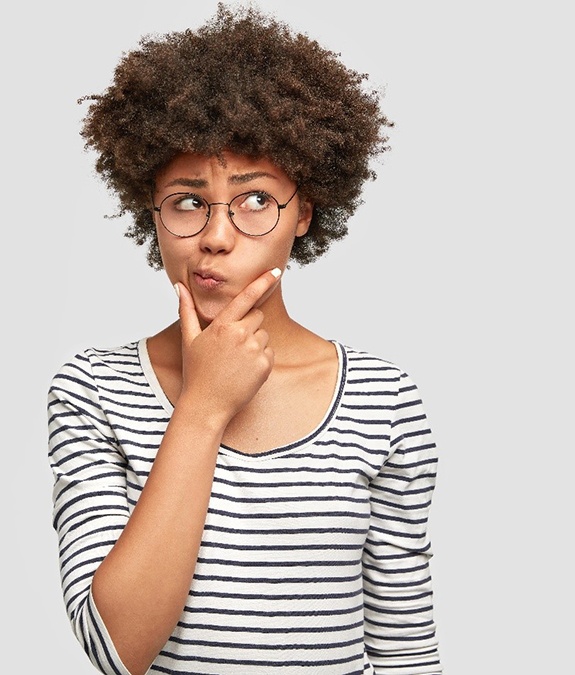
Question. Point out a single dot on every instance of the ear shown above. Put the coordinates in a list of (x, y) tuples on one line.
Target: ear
[(305, 216)]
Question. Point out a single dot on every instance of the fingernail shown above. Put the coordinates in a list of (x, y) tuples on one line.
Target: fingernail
[(177, 289), (276, 272)]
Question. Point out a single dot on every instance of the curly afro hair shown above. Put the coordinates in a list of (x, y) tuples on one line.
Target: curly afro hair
[(246, 83)]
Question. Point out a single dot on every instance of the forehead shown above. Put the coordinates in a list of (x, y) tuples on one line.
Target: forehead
[(189, 168)]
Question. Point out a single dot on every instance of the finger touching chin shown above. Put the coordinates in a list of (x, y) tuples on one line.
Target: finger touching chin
[(273, 291)]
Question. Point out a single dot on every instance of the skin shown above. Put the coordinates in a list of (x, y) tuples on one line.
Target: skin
[(220, 248), (238, 370)]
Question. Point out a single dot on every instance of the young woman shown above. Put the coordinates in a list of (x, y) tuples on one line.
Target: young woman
[(236, 494)]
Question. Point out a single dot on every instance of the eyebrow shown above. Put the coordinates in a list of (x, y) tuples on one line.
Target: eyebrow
[(238, 179), (234, 179), (188, 182)]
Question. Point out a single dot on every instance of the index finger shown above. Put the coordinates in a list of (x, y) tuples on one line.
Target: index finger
[(249, 297), (189, 322)]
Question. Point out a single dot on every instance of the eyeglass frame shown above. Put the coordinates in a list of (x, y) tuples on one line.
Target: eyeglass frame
[(158, 209)]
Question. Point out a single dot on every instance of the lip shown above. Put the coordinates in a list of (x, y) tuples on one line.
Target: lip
[(208, 280)]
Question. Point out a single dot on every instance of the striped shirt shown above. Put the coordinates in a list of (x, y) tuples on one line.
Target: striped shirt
[(314, 556)]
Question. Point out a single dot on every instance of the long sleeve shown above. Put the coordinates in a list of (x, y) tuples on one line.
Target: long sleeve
[(90, 500), (400, 632)]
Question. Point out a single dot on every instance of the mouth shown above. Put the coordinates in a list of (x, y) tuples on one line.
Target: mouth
[(207, 280)]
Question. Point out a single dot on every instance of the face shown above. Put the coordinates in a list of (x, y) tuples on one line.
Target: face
[(220, 261)]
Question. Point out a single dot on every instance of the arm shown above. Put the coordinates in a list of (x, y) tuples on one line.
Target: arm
[(89, 497), (141, 586), (399, 626)]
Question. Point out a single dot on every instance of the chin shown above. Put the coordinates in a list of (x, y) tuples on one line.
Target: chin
[(207, 312)]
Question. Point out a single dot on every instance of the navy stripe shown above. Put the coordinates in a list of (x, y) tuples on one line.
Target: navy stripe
[(313, 553)]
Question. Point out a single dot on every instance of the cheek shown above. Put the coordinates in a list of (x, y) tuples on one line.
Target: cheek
[(254, 256), (281, 247), (175, 255)]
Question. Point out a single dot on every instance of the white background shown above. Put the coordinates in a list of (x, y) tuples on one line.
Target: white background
[(458, 268)]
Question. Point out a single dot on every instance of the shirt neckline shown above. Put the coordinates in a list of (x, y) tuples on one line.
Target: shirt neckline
[(150, 375), (323, 425)]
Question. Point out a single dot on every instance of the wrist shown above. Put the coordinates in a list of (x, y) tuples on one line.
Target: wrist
[(195, 411)]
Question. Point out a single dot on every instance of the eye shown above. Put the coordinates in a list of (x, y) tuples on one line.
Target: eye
[(188, 202), (255, 201)]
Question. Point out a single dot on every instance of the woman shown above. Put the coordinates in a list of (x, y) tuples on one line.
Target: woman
[(236, 494)]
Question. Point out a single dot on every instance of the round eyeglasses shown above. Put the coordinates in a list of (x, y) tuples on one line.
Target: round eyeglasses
[(185, 214)]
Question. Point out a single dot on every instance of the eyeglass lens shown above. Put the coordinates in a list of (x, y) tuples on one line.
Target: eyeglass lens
[(186, 214)]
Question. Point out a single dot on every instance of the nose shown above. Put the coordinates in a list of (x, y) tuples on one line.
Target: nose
[(219, 234)]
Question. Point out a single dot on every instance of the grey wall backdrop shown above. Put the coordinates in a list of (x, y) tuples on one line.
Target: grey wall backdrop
[(458, 267)]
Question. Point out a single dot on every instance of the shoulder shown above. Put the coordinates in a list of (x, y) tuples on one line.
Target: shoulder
[(372, 374), (123, 359), (86, 370), (360, 362)]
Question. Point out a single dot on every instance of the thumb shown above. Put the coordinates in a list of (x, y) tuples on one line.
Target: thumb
[(189, 323)]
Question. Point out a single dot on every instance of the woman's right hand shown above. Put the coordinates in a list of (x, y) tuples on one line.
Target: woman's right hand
[(224, 365)]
